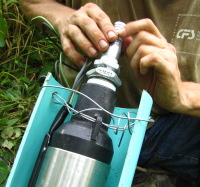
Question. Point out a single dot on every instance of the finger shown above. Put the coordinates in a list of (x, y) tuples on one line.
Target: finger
[(81, 41), (141, 25), (145, 50), (153, 60), (71, 52), (144, 38), (126, 43), (92, 31), (103, 21)]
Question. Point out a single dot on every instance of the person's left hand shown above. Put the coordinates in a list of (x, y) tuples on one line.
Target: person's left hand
[(153, 61)]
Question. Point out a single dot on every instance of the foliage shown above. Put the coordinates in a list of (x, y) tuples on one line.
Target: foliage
[(3, 30), (4, 171), (24, 56)]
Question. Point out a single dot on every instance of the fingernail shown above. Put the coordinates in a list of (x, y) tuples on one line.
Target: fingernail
[(103, 44), (111, 35), (92, 51)]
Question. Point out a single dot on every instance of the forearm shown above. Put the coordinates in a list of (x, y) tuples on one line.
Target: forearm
[(190, 99), (89, 28), (53, 11)]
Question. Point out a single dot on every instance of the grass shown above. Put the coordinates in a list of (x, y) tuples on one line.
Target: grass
[(25, 55)]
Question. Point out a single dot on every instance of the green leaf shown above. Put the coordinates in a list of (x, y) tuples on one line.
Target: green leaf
[(12, 94), (11, 1), (17, 133), (7, 133), (48, 68), (26, 80), (12, 121), (7, 155), (2, 42), (21, 107), (19, 62), (7, 144), (34, 56), (6, 80), (4, 171), (3, 30), (3, 121), (6, 109)]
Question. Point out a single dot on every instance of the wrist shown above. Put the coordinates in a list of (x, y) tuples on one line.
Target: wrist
[(60, 20), (188, 102)]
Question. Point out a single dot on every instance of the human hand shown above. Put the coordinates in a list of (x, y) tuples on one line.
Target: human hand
[(153, 62), (88, 29)]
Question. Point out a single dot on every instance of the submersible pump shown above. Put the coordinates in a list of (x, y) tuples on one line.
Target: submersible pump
[(80, 151)]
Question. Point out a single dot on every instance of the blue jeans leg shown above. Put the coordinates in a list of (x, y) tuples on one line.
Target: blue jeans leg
[(173, 144)]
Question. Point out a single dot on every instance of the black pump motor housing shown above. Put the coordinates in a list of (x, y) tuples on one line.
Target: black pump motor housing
[(83, 136), (80, 150)]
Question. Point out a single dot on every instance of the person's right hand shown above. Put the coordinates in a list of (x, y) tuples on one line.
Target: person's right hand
[(88, 29)]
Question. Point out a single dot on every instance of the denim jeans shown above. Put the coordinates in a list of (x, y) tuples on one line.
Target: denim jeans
[(173, 144)]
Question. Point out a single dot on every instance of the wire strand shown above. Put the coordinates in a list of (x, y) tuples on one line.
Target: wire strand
[(97, 103), (72, 111)]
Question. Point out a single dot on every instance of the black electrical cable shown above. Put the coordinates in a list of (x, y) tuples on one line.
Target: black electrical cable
[(59, 119), (80, 77), (56, 69), (81, 74)]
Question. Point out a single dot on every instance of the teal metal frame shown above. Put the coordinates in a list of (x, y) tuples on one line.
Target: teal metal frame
[(125, 156)]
